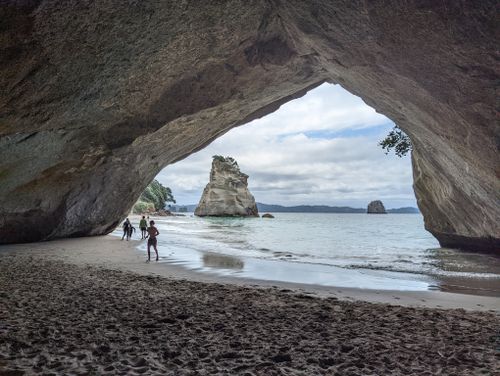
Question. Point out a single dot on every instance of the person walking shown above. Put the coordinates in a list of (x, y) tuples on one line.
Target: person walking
[(130, 230), (152, 241), (143, 225), (126, 226)]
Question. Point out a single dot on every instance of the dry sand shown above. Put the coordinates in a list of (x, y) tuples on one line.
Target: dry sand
[(92, 306)]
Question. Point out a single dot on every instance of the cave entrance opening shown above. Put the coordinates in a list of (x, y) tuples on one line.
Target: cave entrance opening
[(320, 149)]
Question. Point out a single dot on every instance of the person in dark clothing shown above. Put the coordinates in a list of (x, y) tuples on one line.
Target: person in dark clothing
[(130, 230), (152, 241), (126, 226)]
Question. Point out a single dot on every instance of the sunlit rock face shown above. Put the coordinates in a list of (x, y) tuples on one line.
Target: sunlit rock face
[(376, 207), (96, 97), (227, 194)]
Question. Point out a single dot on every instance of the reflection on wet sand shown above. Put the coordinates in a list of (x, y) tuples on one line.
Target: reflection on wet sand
[(483, 286), (464, 266), (215, 260)]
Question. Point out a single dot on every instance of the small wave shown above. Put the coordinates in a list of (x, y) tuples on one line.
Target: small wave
[(407, 262), (434, 272), (282, 254)]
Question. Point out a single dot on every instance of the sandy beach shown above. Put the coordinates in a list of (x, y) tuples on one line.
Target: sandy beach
[(92, 306)]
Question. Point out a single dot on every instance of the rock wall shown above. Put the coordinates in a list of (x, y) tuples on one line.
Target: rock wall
[(376, 207), (96, 97), (226, 194)]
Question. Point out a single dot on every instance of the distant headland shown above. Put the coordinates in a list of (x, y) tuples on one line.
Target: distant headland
[(306, 209)]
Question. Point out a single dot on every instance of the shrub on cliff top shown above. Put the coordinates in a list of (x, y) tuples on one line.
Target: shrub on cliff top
[(219, 158), (229, 160)]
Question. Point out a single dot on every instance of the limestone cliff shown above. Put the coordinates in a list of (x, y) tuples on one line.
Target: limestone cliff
[(376, 207), (226, 194), (96, 97)]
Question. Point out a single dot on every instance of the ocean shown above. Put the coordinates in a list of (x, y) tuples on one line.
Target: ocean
[(385, 252)]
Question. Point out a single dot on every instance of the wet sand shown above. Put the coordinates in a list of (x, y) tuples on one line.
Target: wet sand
[(92, 306)]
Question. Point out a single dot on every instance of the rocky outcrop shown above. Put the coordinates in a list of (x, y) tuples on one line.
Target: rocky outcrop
[(97, 97), (376, 207), (267, 215), (226, 194)]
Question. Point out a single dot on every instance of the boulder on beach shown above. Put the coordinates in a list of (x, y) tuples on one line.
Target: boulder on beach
[(376, 207), (227, 192), (267, 215)]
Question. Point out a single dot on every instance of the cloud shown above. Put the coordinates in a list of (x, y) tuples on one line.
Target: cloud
[(319, 149)]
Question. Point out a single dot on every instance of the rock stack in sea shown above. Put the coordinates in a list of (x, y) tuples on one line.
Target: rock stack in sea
[(227, 192), (376, 207)]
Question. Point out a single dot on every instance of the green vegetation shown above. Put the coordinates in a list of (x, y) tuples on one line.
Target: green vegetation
[(220, 158), (397, 140), (154, 198), (143, 207)]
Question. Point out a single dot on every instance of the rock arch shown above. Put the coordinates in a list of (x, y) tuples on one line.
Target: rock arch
[(96, 97)]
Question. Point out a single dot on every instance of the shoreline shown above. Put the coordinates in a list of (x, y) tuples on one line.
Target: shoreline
[(110, 252), (192, 243)]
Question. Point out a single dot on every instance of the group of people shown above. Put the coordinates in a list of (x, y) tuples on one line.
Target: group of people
[(149, 233)]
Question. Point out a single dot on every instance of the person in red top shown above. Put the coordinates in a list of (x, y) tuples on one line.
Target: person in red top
[(152, 241)]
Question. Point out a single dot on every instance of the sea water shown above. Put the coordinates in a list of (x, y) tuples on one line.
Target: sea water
[(391, 251)]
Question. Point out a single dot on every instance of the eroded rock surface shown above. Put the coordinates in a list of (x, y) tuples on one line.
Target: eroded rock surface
[(96, 97), (376, 207), (226, 194)]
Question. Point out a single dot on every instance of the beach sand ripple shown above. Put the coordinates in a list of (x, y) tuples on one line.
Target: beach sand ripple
[(57, 318)]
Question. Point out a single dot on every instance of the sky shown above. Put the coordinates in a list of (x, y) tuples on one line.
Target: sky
[(321, 149)]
